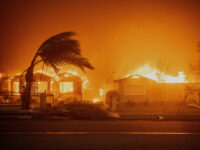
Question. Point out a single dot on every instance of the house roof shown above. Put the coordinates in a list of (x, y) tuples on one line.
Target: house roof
[(68, 76), (135, 76), (37, 76)]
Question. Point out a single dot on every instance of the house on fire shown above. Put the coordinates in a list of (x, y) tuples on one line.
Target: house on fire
[(41, 84), (61, 87), (69, 86), (134, 88), (137, 89)]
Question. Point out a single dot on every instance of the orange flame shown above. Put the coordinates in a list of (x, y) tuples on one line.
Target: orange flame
[(95, 100), (152, 73), (101, 92), (51, 73), (100, 98)]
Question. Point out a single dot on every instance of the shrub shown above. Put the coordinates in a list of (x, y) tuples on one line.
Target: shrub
[(56, 111), (86, 111)]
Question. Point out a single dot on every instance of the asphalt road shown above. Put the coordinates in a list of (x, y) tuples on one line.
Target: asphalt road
[(99, 135)]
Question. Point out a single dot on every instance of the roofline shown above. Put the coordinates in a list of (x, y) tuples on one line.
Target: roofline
[(134, 75)]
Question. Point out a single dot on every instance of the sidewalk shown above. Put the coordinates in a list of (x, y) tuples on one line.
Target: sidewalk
[(30, 115), (189, 113), (160, 116)]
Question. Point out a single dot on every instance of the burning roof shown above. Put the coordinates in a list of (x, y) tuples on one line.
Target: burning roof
[(157, 75)]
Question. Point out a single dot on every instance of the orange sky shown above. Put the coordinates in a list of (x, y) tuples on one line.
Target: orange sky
[(115, 35)]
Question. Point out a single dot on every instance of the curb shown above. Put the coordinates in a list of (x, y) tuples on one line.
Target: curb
[(185, 117), (15, 117)]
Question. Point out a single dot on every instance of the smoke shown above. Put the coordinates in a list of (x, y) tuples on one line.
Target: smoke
[(116, 36)]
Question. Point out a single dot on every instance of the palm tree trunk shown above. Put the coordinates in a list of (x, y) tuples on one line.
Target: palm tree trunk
[(26, 95)]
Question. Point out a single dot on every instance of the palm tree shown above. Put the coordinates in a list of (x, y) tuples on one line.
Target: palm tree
[(58, 50)]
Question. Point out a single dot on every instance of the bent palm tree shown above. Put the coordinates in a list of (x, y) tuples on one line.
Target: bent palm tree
[(57, 50)]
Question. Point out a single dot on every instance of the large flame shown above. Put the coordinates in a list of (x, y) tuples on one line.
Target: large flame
[(51, 73), (152, 73), (100, 98)]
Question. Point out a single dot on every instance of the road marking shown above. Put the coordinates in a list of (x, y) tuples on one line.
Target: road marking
[(99, 133)]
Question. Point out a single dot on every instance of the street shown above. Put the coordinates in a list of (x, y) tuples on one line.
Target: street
[(99, 135)]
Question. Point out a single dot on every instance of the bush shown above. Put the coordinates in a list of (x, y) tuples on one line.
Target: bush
[(76, 110), (86, 111), (56, 111)]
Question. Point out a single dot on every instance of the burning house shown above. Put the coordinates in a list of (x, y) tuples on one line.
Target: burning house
[(134, 88), (69, 86), (61, 87), (4, 84), (140, 89), (42, 83)]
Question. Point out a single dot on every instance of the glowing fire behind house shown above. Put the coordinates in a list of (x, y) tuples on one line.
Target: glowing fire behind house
[(157, 75)]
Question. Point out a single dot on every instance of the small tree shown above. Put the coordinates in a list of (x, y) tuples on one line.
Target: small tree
[(162, 68), (195, 65), (58, 50)]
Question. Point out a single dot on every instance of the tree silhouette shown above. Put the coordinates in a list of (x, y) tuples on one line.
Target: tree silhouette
[(58, 50), (194, 66)]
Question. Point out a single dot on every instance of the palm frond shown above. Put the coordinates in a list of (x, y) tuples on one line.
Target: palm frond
[(56, 50), (70, 58), (62, 49), (60, 42)]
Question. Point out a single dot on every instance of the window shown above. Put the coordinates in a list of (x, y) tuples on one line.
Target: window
[(42, 87), (16, 87), (66, 87), (34, 88)]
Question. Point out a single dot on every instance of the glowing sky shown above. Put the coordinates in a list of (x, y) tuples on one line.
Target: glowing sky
[(115, 35)]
